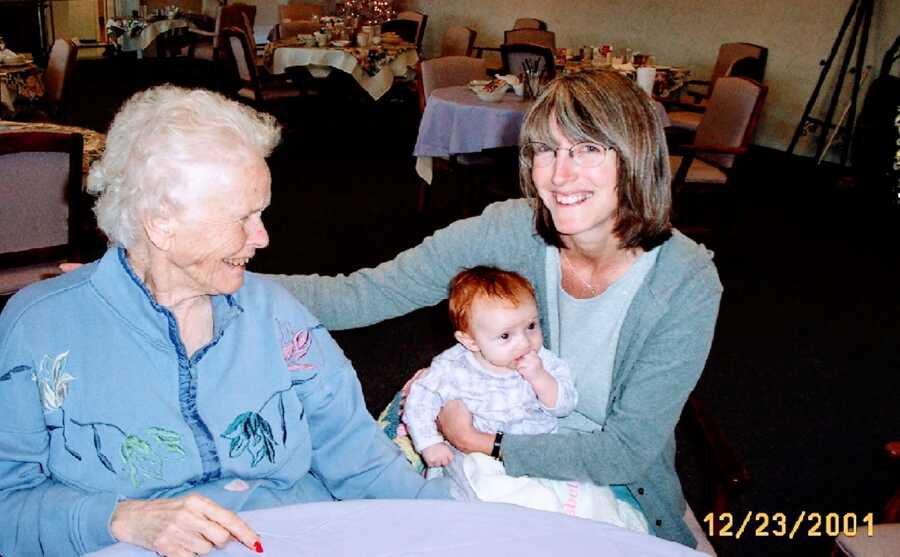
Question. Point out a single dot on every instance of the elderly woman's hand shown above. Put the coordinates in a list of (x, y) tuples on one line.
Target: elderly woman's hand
[(455, 424), (180, 527)]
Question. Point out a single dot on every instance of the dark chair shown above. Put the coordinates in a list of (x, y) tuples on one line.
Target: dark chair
[(530, 23), (447, 71), (514, 55), (421, 20), (43, 206), (530, 36), (60, 68), (403, 28), (255, 86), (734, 60), (208, 46), (458, 41), (707, 166)]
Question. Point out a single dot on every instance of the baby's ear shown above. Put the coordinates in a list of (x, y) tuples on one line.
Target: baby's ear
[(466, 340)]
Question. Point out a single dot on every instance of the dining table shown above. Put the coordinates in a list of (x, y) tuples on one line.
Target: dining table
[(430, 528), (94, 141), (373, 67), (149, 31), (20, 80), (456, 122)]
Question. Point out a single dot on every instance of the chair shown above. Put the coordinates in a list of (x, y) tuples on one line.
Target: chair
[(299, 12), (724, 133), (208, 45), (538, 37), (448, 71), (885, 538), (421, 20), (515, 54), (734, 60), (60, 67), (404, 28), (40, 192), (254, 86), (458, 41), (530, 23)]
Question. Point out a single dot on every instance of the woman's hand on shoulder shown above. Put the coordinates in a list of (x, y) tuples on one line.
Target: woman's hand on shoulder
[(184, 526)]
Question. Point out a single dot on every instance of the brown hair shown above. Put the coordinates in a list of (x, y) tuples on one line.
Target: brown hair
[(470, 284), (607, 108)]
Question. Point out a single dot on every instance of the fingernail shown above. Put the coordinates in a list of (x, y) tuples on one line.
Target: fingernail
[(258, 546)]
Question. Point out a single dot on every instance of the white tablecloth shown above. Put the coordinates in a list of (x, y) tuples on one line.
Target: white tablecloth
[(13, 78), (321, 60), (149, 33), (395, 528)]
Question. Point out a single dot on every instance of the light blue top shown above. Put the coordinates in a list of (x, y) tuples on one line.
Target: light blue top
[(586, 332), (101, 402)]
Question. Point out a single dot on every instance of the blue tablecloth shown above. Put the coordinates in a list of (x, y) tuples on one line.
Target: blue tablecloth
[(414, 528)]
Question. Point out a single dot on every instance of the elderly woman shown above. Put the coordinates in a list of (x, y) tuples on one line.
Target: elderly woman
[(630, 303), (150, 395)]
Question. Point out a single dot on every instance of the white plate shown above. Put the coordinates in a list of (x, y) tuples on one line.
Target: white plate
[(340, 44), (9, 66)]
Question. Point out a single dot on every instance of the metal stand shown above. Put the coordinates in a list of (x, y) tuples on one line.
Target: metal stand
[(860, 13)]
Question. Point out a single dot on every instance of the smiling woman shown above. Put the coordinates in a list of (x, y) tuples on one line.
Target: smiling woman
[(152, 394), (629, 303)]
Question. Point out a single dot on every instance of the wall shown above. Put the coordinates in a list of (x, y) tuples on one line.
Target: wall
[(798, 33)]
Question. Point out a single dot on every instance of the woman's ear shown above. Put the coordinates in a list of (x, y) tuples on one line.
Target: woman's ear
[(466, 340), (159, 225)]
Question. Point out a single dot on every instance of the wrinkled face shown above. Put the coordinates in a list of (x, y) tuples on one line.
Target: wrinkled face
[(218, 226), (501, 332), (582, 201)]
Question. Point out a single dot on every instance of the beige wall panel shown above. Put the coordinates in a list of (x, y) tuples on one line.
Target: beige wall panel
[(75, 18)]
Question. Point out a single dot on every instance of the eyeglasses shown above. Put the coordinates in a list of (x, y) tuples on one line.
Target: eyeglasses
[(541, 155)]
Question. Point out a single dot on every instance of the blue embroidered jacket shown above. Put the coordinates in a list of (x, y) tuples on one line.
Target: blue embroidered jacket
[(101, 402)]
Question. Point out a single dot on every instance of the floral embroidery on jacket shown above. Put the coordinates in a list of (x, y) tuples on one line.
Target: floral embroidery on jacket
[(53, 381), (295, 346), (141, 458)]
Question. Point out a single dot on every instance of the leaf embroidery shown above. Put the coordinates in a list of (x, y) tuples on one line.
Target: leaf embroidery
[(251, 432), (18, 369), (140, 458)]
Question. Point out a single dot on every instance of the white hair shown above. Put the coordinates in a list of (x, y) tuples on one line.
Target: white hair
[(154, 136)]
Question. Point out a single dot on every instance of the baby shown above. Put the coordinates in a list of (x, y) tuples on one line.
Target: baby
[(499, 369), (510, 383)]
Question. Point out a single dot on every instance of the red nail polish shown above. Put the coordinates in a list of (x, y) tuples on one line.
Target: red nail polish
[(258, 547)]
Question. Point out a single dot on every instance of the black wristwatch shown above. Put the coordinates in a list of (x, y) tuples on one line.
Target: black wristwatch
[(495, 452)]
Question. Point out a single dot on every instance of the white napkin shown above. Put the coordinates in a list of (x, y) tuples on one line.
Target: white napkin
[(512, 79)]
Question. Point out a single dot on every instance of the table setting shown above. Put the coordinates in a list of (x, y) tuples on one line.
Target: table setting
[(136, 34), (19, 77), (373, 61)]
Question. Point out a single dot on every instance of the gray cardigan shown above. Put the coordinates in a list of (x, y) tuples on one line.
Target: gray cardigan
[(663, 345)]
